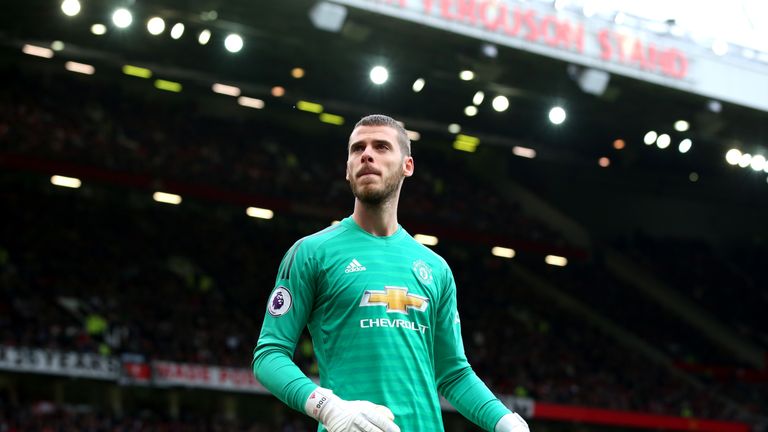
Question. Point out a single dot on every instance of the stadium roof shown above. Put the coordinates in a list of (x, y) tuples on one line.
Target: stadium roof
[(280, 36)]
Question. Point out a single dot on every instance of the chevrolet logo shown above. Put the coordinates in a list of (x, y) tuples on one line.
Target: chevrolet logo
[(396, 299)]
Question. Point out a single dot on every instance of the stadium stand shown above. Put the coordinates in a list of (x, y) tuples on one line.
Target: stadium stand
[(181, 297), (707, 276)]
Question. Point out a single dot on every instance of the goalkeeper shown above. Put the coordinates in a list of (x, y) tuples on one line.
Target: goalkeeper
[(381, 310)]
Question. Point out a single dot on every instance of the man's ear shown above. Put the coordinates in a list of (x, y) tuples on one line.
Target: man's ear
[(408, 166)]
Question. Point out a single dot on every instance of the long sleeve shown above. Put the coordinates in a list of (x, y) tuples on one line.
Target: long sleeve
[(288, 310), (279, 374), (456, 380)]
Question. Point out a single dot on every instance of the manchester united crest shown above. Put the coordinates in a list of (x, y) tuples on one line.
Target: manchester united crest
[(422, 271)]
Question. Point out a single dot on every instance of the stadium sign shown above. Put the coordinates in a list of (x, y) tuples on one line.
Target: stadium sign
[(202, 376), (597, 43), (49, 362)]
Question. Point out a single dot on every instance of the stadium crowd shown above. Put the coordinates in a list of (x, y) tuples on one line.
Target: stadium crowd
[(191, 288), (180, 141), (593, 282), (707, 276)]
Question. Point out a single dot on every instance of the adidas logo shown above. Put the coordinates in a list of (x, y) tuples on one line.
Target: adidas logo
[(354, 266)]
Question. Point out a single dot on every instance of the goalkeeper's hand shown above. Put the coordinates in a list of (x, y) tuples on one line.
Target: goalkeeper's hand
[(512, 423), (338, 415)]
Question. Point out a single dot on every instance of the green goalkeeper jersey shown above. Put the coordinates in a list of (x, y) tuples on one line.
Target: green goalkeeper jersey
[(384, 323)]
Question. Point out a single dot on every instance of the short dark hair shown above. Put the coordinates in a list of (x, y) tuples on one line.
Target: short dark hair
[(383, 120)]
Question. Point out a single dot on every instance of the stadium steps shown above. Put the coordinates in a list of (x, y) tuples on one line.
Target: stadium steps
[(610, 328), (495, 173), (634, 275)]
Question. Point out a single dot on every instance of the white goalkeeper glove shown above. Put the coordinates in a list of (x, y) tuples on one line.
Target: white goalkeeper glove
[(512, 423), (338, 415)]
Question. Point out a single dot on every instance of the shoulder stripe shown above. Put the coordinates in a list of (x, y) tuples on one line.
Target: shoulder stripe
[(326, 230), (287, 270)]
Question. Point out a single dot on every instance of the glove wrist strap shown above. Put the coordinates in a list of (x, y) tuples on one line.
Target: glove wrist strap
[(317, 401)]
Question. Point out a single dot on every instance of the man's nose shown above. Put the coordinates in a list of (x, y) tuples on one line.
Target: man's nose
[(367, 155)]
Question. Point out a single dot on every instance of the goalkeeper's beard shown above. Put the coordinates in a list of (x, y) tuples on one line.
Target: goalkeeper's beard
[(370, 195)]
